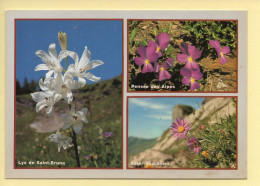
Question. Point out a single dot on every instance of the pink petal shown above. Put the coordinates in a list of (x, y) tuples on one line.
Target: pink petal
[(150, 67), (197, 75), (215, 44), (161, 76), (166, 74), (153, 57), (156, 67), (159, 53), (225, 50), (223, 60), (194, 85), (185, 72), (168, 63), (192, 66), (163, 39), (141, 51), (151, 48), (182, 58), (194, 52), (139, 60), (185, 81), (145, 69)]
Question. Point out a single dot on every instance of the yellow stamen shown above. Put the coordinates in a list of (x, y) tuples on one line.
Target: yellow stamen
[(84, 69), (147, 61), (221, 54), (192, 80), (181, 129), (162, 69), (158, 49), (190, 59)]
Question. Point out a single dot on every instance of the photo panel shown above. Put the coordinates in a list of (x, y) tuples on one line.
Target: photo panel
[(192, 56), (68, 93), (182, 133)]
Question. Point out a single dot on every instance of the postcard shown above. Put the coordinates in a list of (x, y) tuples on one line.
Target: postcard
[(126, 94)]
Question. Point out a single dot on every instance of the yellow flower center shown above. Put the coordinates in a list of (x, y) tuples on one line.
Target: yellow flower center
[(190, 59), (147, 61), (158, 49), (162, 69), (192, 80), (221, 54), (181, 129)]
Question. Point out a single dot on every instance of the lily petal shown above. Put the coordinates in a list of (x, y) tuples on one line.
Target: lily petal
[(43, 55), (40, 106), (77, 128), (91, 77), (94, 64), (84, 60), (41, 67)]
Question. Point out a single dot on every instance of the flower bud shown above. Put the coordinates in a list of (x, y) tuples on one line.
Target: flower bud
[(62, 36)]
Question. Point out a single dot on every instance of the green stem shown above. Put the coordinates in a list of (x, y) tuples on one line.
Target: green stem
[(74, 137), (96, 164), (66, 64)]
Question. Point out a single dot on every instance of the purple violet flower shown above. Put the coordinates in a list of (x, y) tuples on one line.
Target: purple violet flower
[(194, 145), (162, 69), (147, 56), (220, 51), (162, 41), (87, 157), (107, 134), (180, 128), (191, 77), (188, 56)]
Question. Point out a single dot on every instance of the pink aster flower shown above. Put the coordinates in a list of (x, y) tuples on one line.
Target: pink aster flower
[(180, 128), (194, 145), (162, 41), (191, 77), (147, 56), (221, 51), (188, 56), (162, 69)]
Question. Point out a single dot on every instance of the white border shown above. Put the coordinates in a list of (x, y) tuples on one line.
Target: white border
[(241, 173)]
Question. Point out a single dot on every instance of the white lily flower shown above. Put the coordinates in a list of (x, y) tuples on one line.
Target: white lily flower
[(61, 139), (63, 85), (75, 119), (44, 99), (81, 66), (51, 61)]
